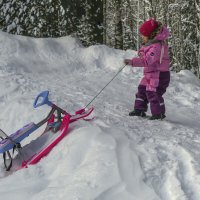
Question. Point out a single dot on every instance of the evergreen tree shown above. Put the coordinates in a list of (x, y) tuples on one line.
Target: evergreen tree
[(85, 19), (34, 18), (84, 25), (10, 13)]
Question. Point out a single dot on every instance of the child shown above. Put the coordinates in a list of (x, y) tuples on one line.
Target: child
[(154, 57)]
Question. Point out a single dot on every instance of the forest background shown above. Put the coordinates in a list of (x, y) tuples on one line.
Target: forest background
[(111, 22)]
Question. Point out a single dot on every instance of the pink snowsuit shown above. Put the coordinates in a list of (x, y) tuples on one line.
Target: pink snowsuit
[(154, 57)]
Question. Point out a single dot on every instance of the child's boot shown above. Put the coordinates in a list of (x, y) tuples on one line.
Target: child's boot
[(159, 116), (136, 112)]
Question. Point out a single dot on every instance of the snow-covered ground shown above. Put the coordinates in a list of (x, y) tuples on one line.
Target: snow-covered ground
[(112, 157)]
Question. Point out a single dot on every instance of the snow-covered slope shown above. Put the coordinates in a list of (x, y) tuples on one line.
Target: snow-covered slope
[(114, 156)]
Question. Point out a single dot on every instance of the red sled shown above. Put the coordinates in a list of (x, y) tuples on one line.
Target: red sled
[(57, 121)]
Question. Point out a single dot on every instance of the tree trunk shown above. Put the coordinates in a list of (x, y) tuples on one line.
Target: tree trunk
[(104, 21), (197, 5), (118, 25)]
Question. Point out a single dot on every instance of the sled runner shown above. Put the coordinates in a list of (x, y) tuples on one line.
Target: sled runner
[(57, 123)]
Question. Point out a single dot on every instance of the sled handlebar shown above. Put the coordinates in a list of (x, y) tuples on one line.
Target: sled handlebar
[(42, 99)]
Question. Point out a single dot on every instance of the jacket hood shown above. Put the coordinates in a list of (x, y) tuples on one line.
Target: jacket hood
[(163, 34)]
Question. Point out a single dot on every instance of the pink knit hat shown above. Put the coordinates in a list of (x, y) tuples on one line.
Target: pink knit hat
[(147, 28)]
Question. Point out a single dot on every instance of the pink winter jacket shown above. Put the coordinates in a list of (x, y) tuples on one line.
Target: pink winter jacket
[(154, 57)]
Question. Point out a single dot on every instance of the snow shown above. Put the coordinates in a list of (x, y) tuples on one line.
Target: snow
[(112, 157)]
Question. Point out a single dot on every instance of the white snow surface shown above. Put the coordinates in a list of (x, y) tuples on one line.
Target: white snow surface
[(112, 157)]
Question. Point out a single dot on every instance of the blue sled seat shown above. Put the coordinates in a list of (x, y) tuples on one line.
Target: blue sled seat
[(9, 142)]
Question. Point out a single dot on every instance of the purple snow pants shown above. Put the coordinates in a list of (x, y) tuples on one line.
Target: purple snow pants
[(155, 99)]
